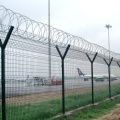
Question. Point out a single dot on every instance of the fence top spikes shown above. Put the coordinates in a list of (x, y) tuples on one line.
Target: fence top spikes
[(0, 43), (109, 61), (93, 57), (62, 57), (8, 36)]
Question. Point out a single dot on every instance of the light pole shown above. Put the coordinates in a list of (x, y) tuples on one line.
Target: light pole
[(108, 27), (110, 60), (49, 42)]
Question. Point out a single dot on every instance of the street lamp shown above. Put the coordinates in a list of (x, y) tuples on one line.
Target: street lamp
[(108, 27), (49, 41)]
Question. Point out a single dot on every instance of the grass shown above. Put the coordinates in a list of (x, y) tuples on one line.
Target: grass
[(48, 109), (34, 111), (93, 112)]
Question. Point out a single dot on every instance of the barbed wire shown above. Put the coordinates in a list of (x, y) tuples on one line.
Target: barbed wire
[(31, 29)]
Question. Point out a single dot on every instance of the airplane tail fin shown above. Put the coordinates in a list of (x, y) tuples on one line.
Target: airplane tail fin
[(80, 72), (27, 78)]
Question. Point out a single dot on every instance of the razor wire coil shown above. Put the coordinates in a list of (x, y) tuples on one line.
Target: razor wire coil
[(31, 29)]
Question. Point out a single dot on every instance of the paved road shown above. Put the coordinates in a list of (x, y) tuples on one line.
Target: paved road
[(14, 89)]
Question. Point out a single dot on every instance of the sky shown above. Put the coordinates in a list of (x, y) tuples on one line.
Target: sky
[(83, 18)]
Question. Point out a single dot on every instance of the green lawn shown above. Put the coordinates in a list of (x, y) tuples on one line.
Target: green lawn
[(48, 109), (93, 112)]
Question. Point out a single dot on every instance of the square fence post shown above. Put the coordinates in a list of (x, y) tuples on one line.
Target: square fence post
[(63, 76), (91, 61), (3, 46), (108, 64)]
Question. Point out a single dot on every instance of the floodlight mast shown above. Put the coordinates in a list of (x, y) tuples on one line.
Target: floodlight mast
[(110, 60), (49, 42), (108, 27)]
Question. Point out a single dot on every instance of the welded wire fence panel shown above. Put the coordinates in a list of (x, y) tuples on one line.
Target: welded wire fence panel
[(101, 84), (77, 88), (115, 79), (31, 92)]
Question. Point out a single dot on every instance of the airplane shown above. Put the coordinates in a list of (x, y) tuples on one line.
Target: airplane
[(99, 77)]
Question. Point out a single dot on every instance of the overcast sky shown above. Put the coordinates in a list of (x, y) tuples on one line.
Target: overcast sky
[(84, 18)]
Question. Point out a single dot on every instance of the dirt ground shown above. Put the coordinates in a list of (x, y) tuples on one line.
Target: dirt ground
[(113, 115), (40, 97)]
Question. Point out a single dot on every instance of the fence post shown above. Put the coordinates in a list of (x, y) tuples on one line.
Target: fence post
[(3, 46), (118, 63), (91, 61), (63, 90), (108, 64)]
